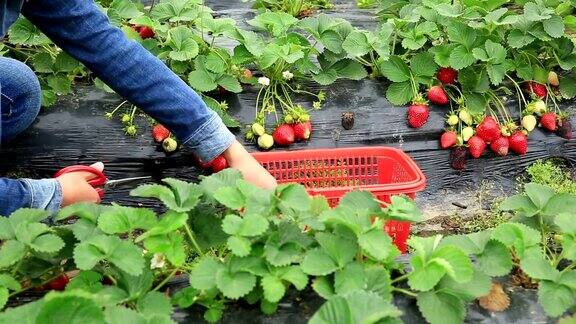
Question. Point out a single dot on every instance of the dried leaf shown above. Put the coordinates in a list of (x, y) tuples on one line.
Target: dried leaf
[(496, 301)]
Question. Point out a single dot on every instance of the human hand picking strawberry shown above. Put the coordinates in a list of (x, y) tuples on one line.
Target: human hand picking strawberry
[(238, 158), (75, 186)]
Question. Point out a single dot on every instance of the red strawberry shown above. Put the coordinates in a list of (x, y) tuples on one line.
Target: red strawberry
[(448, 139), (500, 146), (458, 158), (447, 75), (539, 90), (136, 28), (283, 135), (418, 115), (219, 164), (488, 129), (476, 146), (564, 128), (59, 283), (548, 121), (146, 32), (202, 164), (518, 143), (160, 133), (437, 95), (302, 131)]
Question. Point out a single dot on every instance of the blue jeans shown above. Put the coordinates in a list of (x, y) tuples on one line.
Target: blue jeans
[(81, 29), (19, 105), (20, 98)]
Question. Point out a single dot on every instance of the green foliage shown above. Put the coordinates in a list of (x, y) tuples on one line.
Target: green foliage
[(489, 42), (266, 247), (294, 8), (553, 175)]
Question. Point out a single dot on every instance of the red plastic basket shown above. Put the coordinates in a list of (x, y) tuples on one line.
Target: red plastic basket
[(383, 171)]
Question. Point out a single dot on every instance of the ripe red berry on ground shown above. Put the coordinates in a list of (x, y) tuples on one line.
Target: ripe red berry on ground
[(458, 158), (476, 146), (539, 90), (448, 139), (564, 128), (160, 133), (518, 143), (59, 283), (146, 32), (548, 121), (500, 146), (219, 164), (418, 115), (283, 135), (488, 129), (302, 131)]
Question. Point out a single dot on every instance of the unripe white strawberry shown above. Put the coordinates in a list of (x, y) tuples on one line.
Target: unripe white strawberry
[(540, 107), (265, 141), (465, 117), (467, 132), (452, 120), (553, 79), (258, 129), (529, 122)]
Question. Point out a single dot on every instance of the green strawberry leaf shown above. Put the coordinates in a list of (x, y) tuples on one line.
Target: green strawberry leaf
[(119, 219), (422, 64), (235, 285), (249, 225), (440, 307), (352, 277), (239, 245), (203, 275), (171, 245), (400, 93), (273, 288), (395, 69), (318, 263), (376, 243), (555, 298), (461, 57), (181, 41), (72, 307), (11, 252)]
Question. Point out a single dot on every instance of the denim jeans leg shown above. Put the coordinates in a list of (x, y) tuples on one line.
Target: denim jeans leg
[(20, 98)]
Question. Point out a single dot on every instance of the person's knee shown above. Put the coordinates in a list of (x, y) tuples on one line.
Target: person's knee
[(21, 97), (20, 83)]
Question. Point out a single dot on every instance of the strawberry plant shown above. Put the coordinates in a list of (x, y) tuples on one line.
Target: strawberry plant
[(480, 52), (288, 59), (296, 8), (236, 241)]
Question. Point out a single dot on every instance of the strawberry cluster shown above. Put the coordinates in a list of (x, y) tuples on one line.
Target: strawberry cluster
[(419, 110), (161, 134), (467, 134), (295, 127)]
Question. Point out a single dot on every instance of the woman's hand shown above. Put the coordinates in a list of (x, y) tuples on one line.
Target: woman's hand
[(238, 158), (75, 186)]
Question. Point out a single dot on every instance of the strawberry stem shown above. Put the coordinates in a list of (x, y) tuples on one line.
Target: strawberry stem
[(518, 89), (551, 96), (117, 107)]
